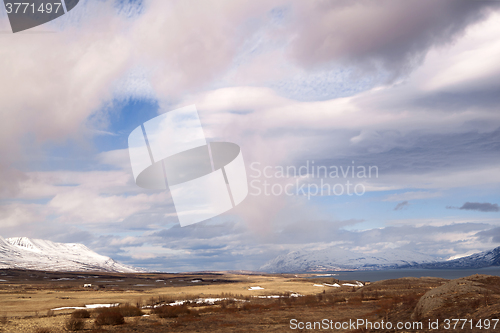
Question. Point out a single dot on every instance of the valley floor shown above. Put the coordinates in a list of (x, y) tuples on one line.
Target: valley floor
[(220, 302)]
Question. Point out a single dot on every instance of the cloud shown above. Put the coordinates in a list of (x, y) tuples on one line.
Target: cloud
[(412, 195), (480, 207), (80, 206), (56, 86), (233, 245), (75, 198), (394, 35), (402, 205), (199, 47), (435, 129), (52, 83), (19, 214), (492, 235)]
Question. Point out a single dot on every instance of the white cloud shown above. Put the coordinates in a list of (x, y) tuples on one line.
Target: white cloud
[(20, 214), (149, 252), (87, 206), (469, 64), (38, 185), (119, 158)]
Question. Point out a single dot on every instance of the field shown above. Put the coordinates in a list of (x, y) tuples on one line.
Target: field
[(42, 302)]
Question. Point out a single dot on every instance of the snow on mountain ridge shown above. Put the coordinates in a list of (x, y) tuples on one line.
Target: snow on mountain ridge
[(338, 259), (39, 254), (23, 242), (477, 260)]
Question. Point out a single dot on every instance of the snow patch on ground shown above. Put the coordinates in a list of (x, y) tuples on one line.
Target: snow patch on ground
[(358, 284), (210, 301), (256, 288), (278, 296), (89, 306)]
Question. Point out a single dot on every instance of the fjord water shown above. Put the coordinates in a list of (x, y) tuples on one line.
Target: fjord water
[(373, 276)]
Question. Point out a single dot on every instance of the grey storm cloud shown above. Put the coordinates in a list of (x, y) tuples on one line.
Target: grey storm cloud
[(402, 205), (418, 153), (491, 235), (392, 33), (481, 207)]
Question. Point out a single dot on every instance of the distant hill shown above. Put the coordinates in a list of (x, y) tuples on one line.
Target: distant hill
[(477, 260), (38, 254), (334, 259)]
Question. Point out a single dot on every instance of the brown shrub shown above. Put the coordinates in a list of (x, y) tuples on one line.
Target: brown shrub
[(309, 300), (355, 300), (411, 300), (110, 317), (128, 310), (187, 319), (257, 307), (50, 313), (171, 311), (330, 298), (74, 324), (42, 330), (80, 314), (98, 330), (226, 303), (385, 305)]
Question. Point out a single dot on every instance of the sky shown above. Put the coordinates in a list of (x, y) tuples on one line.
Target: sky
[(404, 93)]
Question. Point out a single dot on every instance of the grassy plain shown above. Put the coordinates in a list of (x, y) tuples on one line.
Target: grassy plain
[(28, 300)]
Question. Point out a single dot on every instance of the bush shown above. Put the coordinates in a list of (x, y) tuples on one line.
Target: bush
[(110, 317), (128, 310), (74, 324), (171, 311), (256, 306), (50, 313), (309, 299), (42, 330), (80, 314), (125, 310)]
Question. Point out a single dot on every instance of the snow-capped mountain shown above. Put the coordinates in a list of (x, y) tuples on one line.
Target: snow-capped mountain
[(334, 259), (476, 260), (38, 254)]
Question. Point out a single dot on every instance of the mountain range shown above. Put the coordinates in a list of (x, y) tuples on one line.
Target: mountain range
[(38, 254), (477, 260), (335, 259), (44, 255)]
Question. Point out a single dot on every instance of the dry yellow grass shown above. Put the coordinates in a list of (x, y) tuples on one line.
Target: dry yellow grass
[(25, 303), (21, 300)]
